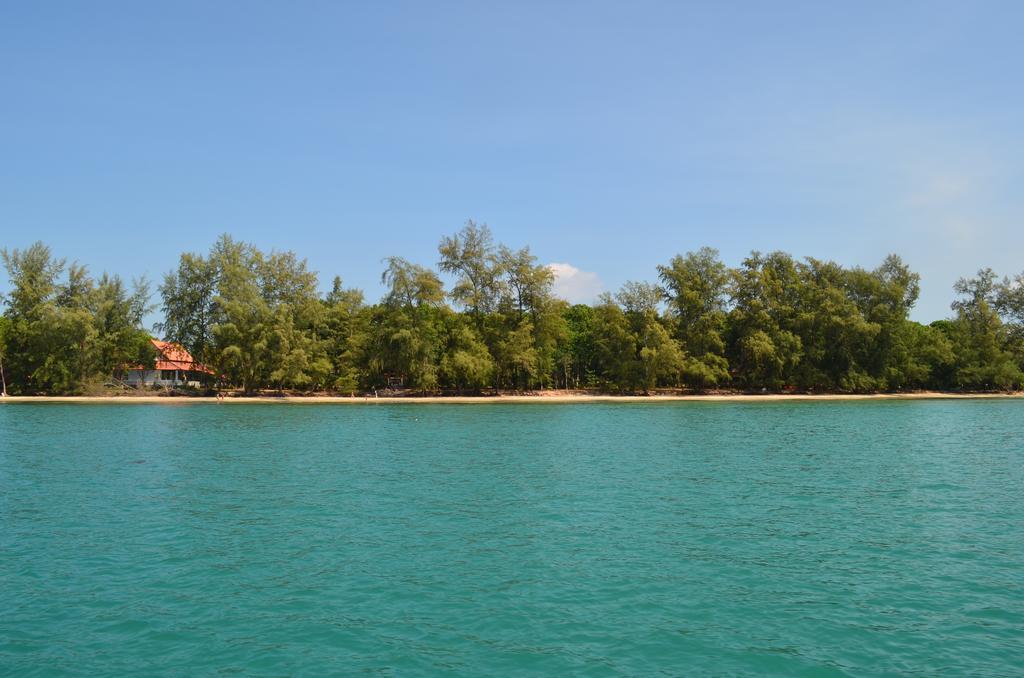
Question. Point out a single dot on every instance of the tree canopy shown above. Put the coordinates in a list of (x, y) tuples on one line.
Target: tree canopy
[(261, 321)]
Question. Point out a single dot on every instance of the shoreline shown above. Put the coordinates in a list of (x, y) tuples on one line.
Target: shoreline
[(553, 398)]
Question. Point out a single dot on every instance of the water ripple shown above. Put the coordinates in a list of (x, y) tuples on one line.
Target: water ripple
[(796, 538)]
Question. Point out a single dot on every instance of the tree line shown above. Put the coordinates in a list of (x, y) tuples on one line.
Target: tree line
[(260, 321)]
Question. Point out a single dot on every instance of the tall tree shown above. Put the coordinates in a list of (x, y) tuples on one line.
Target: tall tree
[(660, 358), (345, 332), (405, 329), (835, 335), (528, 285), (615, 348), (63, 334), (33, 275), (766, 300), (118, 315), (527, 329), (1009, 303), (189, 294), (242, 335), (465, 361), (470, 255), (980, 338), (577, 357), (696, 287)]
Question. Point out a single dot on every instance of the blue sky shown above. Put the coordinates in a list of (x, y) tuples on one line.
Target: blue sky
[(607, 136)]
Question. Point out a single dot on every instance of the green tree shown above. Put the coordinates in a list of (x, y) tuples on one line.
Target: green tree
[(34, 274), (766, 301), (517, 356), (298, 355), (615, 348), (405, 330), (577, 356), (259, 319), (527, 284), (118, 314), (242, 336), (190, 313), (470, 255), (1009, 302), (465, 362), (929, 357), (5, 325), (696, 289), (345, 332), (835, 335), (979, 337), (884, 298), (661, 360)]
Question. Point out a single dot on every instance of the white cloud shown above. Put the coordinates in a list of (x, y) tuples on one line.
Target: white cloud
[(574, 285)]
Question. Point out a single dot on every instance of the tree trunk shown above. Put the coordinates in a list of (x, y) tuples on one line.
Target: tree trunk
[(3, 379)]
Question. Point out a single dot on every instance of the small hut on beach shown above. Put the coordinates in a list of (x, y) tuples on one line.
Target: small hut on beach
[(174, 367)]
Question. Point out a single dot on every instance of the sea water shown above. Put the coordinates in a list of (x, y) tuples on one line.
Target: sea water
[(797, 538)]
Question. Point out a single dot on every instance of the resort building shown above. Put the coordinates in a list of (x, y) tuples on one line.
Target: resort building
[(174, 367)]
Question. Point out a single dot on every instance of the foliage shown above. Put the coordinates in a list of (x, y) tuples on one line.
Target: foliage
[(63, 329), (981, 341), (696, 290), (260, 320)]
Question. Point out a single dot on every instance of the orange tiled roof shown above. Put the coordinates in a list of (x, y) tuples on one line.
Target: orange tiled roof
[(173, 356)]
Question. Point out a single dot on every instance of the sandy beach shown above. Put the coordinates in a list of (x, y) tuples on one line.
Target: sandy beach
[(554, 397)]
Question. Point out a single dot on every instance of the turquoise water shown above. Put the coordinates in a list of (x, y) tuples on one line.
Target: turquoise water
[(781, 538)]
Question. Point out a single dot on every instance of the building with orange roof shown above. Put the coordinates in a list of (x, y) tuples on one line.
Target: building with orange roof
[(174, 367)]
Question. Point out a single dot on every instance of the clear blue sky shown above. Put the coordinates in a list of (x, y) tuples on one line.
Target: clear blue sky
[(607, 136)]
